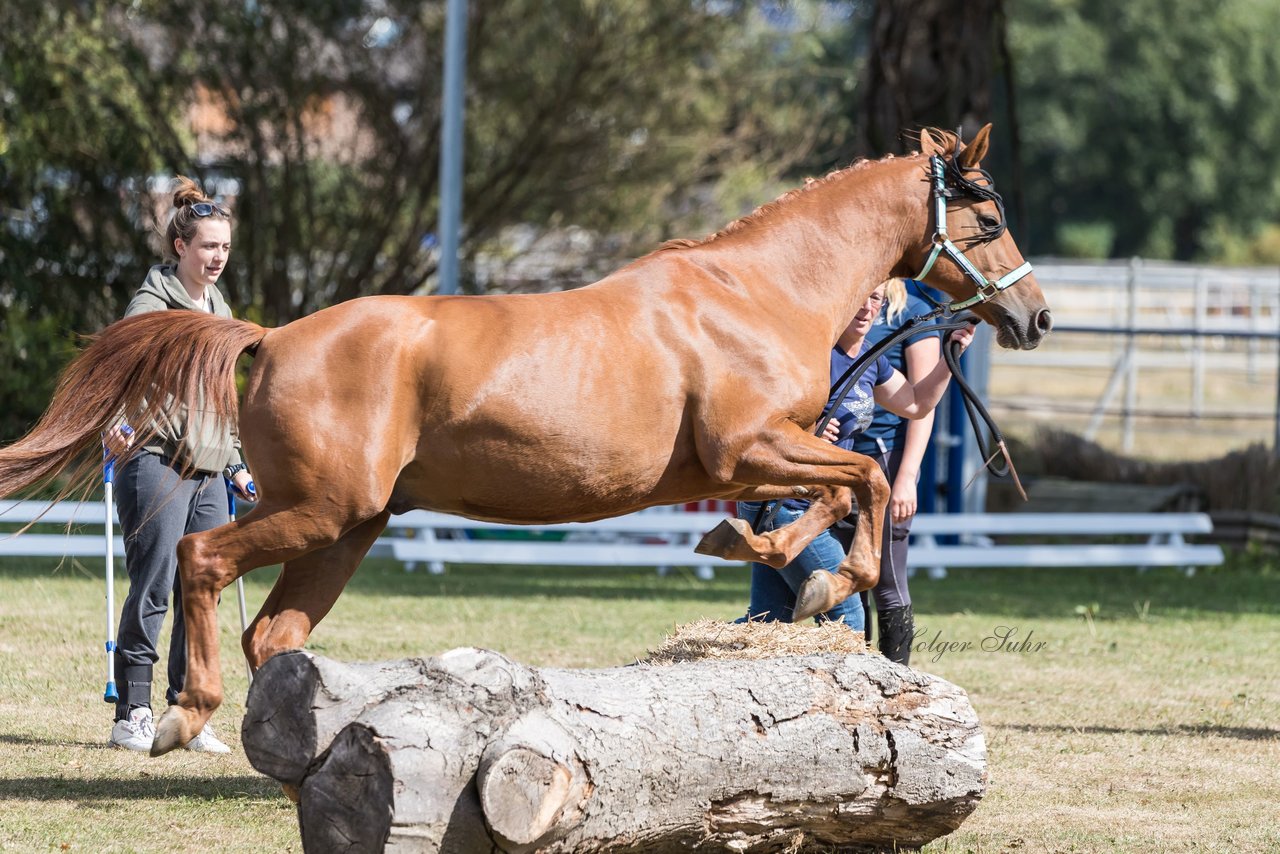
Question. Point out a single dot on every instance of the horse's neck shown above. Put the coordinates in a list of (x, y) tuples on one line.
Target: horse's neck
[(824, 250)]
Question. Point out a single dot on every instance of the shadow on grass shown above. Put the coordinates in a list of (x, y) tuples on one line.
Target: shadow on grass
[(386, 577), (6, 738), (1025, 593), (212, 788), (1194, 730)]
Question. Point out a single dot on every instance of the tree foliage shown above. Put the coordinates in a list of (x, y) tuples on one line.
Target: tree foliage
[(1150, 125), (1146, 128), (320, 122)]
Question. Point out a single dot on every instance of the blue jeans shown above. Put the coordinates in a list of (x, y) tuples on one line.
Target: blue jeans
[(773, 591)]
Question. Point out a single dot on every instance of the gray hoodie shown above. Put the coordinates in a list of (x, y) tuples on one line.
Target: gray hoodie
[(197, 441)]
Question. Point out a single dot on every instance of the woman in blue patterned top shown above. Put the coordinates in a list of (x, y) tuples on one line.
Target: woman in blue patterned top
[(773, 592)]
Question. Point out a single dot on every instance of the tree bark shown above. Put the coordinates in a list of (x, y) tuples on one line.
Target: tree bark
[(473, 752), (931, 63)]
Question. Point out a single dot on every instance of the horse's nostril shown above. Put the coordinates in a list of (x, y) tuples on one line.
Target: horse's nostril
[(1044, 320)]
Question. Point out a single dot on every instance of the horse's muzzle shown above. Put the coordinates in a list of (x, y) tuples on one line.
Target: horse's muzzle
[(1016, 334)]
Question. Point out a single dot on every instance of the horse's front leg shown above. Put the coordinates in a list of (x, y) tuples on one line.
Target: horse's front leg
[(208, 562), (787, 457)]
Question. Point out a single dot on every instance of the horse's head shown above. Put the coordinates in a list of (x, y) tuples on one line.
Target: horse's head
[(966, 229)]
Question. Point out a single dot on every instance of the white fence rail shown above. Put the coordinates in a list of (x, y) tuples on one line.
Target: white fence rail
[(665, 539), (1135, 317)]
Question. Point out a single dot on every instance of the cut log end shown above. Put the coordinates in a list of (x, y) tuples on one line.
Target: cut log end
[(279, 728), (347, 805), (522, 793)]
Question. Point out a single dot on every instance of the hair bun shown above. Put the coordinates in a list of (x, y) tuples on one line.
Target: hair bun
[(187, 192)]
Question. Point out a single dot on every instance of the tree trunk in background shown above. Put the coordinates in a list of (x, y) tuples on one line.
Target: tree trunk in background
[(473, 752), (937, 63), (930, 62)]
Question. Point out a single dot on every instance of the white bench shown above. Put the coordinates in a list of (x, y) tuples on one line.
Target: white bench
[(666, 539), (659, 537), (90, 514), (1164, 536), (1164, 533), (651, 538)]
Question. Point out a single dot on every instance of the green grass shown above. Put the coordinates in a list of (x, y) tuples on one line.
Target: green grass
[(1151, 725)]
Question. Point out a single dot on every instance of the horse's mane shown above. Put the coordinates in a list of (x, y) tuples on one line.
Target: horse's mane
[(945, 138)]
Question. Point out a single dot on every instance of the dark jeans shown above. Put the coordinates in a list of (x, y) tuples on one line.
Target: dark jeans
[(157, 507)]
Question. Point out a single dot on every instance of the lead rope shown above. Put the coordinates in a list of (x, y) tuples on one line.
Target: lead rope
[(977, 410)]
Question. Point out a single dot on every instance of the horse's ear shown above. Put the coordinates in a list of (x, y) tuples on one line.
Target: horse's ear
[(929, 144), (977, 148)]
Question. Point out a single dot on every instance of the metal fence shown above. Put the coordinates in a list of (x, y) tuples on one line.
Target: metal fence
[(1138, 319)]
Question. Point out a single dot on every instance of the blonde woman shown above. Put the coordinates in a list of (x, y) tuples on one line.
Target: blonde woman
[(880, 387), (898, 444)]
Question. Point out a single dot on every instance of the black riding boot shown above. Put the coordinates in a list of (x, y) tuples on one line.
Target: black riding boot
[(897, 625), (866, 616)]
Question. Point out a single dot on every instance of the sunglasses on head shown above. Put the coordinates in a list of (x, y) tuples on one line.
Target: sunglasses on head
[(208, 209)]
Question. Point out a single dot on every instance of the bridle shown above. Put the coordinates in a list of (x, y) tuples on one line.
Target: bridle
[(942, 319), (941, 193)]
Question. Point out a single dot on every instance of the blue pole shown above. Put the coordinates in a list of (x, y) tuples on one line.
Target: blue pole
[(108, 479), (244, 614), (108, 483), (451, 140)]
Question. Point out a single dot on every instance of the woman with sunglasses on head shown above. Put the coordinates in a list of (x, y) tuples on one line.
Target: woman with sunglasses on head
[(773, 591), (172, 486)]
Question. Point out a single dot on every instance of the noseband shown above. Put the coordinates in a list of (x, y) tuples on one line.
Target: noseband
[(941, 193)]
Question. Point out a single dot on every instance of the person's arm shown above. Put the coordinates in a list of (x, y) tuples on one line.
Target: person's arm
[(922, 356), (119, 438), (916, 400)]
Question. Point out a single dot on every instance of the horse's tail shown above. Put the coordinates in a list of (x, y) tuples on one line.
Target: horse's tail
[(137, 368)]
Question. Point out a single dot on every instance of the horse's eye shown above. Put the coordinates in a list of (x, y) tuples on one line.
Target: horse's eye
[(987, 222)]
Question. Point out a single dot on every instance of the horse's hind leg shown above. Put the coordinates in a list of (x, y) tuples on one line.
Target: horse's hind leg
[(208, 562), (734, 539), (305, 591), (789, 456)]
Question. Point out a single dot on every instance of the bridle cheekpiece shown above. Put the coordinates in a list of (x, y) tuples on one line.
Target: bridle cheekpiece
[(941, 193)]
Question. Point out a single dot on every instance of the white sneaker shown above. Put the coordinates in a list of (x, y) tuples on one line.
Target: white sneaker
[(135, 732), (207, 742)]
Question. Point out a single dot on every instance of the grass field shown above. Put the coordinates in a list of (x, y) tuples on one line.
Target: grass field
[(1149, 722)]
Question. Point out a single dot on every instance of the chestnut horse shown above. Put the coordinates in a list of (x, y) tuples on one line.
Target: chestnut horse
[(697, 371)]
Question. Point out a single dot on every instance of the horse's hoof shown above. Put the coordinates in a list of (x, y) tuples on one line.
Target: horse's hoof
[(727, 540), (733, 539), (171, 731), (813, 597)]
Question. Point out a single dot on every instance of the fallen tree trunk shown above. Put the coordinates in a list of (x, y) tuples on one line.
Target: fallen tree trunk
[(473, 752)]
